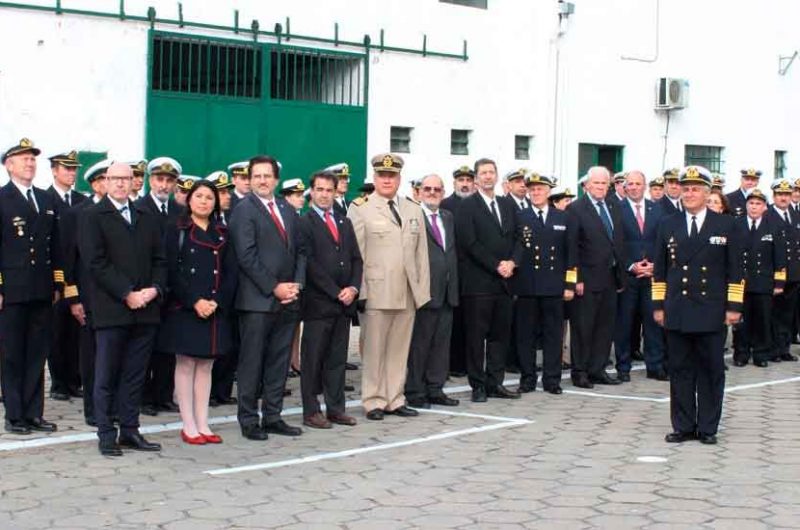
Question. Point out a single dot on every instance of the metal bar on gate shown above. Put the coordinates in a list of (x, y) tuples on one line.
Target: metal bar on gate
[(236, 71), (294, 75)]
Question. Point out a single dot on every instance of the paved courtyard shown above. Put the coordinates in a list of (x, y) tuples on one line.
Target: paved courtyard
[(588, 459)]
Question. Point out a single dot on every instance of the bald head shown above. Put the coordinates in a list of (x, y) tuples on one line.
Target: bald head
[(634, 185), (119, 180)]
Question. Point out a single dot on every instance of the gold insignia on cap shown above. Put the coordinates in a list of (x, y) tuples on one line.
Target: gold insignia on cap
[(72, 155), (387, 161), (25, 143), (166, 166), (567, 191), (465, 169), (534, 177), (784, 186), (223, 179), (692, 172), (345, 169), (301, 186)]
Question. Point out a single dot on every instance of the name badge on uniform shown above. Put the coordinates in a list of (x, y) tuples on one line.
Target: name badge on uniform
[(414, 226), (19, 223), (560, 228), (718, 240), (767, 237), (49, 212)]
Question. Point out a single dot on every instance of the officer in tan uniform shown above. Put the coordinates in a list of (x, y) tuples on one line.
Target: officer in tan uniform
[(390, 231)]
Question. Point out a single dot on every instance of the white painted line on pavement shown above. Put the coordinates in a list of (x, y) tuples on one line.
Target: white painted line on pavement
[(362, 450), (471, 415), (651, 459), (761, 384), (618, 396)]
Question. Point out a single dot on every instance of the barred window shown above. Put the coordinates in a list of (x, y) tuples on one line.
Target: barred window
[(192, 65), (708, 156), (400, 139), (314, 76), (459, 141), (780, 164), (522, 147)]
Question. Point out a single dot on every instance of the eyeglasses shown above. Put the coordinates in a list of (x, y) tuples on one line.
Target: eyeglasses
[(119, 179), (432, 189)]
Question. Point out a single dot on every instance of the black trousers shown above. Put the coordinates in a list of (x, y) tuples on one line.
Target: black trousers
[(696, 380), (513, 357), (63, 360), (159, 384), (428, 355), (487, 322), (264, 354), (224, 371), (26, 332), (458, 359), (323, 353), (754, 333), (123, 353), (635, 303), (540, 315), (87, 348), (784, 307), (591, 331)]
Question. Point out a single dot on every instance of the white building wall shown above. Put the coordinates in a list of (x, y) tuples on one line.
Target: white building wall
[(78, 82)]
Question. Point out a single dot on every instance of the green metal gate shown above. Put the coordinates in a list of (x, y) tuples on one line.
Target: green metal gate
[(211, 102)]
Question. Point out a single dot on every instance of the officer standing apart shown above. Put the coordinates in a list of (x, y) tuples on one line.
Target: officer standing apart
[(390, 231), (738, 199), (30, 271), (698, 290)]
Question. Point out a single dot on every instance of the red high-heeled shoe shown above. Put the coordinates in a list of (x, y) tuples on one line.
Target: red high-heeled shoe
[(212, 438), (193, 440)]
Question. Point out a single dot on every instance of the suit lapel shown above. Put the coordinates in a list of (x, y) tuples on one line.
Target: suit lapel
[(590, 204), (693, 245)]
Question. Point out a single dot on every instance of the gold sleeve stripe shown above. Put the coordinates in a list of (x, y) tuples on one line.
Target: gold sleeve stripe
[(572, 276), (58, 276), (659, 291), (70, 291), (1, 278), (780, 275), (736, 292)]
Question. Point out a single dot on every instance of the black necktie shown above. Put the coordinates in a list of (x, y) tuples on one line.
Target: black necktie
[(604, 218), (693, 232), (31, 201), (395, 213), (67, 199), (541, 217), (752, 226), (494, 213), (164, 209), (786, 218)]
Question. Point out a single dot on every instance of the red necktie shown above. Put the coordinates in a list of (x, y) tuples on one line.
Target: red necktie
[(639, 218), (332, 226), (277, 220)]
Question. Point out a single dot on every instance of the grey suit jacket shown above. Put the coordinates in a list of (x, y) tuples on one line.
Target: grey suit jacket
[(443, 263), (265, 259)]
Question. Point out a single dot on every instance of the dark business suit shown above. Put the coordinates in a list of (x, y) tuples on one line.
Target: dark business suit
[(666, 206), (160, 380), (266, 326), (330, 267), (63, 360), (601, 261), (483, 243), (512, 355), (120, 258), (429, 352), (458, 363), (545, 255), (763, 255), (696, 280), (76, 291), (737, 202), (224, 371), (785, 304), (30, 269), (341, 209), (636, 299)]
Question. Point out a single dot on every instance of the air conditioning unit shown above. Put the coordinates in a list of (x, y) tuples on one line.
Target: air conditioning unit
[(672, 93)]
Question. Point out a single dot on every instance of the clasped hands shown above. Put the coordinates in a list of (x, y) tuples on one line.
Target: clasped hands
[(642, 269), (139, 299), (287, 292), (506, 268)]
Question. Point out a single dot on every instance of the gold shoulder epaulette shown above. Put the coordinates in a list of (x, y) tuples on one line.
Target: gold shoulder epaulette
[(358, 201)]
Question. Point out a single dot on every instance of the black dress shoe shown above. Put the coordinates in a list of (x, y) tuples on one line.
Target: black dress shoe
[(350, 366), (42, 425), (479, 395), (458, 374), (169, 406), (375, 415), (148, 410), (403, 412), (502, 392), (59, 396), (254, 432), (679, 437), (604, 379), (775, 359), (707, 439), (738, 363), (795, 340), (109, 448), (17, 427), (349, 388), (512, 369), (91, 422), (282, 428), (566, 366), (624, 377), (444, 401), (228, 401), (582, 382), (526, 388), (213, 403), (554, 390), (658, 375), (419, 403), (761, 363), (788, 357), (637, 356), (76, 392), (137, 442)]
